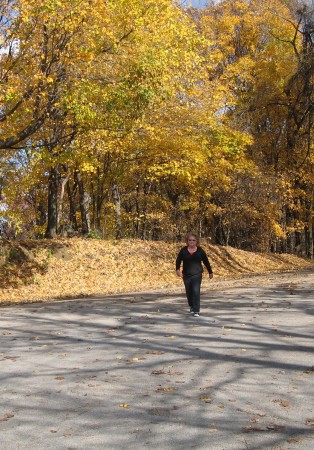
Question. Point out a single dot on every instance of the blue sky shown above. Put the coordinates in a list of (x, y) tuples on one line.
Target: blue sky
[(199, 3)]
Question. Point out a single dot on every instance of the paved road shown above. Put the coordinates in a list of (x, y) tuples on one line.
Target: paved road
[(137, 371)]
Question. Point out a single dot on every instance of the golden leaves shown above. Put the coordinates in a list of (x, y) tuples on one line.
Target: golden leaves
[(166, 389), (88, 267)]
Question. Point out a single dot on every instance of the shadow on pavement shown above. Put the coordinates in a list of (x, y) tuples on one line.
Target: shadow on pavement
[(137, 370)]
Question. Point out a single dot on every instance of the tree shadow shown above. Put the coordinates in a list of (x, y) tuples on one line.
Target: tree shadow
[(177, 376), (19, 266)]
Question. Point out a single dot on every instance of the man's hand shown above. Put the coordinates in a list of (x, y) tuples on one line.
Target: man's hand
[(211, 275), (179, 274)]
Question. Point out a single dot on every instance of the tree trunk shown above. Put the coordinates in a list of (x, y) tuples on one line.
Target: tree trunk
[(310, 240), (42, 214), (52, 226), (84, 200), (99, 199), (117, 203), (60, 206), (72, 207)]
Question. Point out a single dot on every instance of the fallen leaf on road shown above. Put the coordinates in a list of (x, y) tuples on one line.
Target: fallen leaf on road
[(166, 389), (164, 372), (258, 413), (292, 440), (155, 352), (206, 399), (283, 403), (123, 405), (310, 370), (6, 417), (265, 428)]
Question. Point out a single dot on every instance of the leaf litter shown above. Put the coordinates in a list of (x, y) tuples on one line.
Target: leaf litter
[(78, 267)]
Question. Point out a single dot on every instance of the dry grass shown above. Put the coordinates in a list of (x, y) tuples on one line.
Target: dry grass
[(71, 268)]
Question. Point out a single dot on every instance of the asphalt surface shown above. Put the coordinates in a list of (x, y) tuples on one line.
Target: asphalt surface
[(138, 371)]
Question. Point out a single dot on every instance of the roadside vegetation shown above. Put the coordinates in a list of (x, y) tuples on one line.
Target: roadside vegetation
[(42, 270), (144, 120)]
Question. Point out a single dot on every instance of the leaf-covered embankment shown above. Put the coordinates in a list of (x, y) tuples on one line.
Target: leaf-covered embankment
[(41, 270)]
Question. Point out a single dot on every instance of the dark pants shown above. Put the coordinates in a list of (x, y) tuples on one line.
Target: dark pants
[(193, 291)]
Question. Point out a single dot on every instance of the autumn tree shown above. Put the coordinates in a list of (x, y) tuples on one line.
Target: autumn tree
[(156, 63), (146, 119), (79, 75), (261, 52)]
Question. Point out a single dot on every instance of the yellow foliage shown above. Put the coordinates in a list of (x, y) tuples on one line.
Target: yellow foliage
[(72, 268)]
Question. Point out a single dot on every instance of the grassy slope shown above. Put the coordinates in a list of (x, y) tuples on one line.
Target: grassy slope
[(70, 268)]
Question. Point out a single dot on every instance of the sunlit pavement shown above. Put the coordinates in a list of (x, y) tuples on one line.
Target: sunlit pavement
[(138, 371)]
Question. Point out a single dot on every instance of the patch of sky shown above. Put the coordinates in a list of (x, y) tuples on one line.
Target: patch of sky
[(194, 3)]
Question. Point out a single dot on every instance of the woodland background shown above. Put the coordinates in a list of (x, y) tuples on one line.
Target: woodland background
[(139, 119)]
